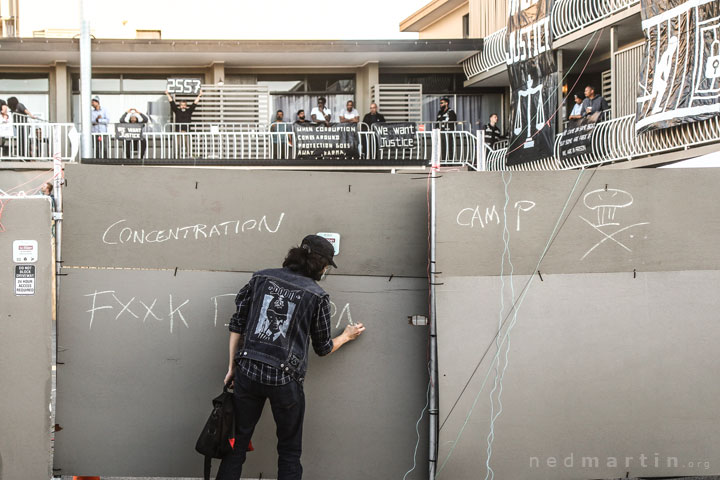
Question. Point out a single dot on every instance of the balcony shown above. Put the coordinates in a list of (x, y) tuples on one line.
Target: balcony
[(568, 16), (241, 144), (616, 141)]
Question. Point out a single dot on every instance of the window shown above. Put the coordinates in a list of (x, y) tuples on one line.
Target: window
[(300, 84), (148, 34), (30, 89), (466, 25)]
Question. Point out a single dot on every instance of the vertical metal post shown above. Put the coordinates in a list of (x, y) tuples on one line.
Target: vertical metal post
[(481, 165), (433, 401), (85, 83)]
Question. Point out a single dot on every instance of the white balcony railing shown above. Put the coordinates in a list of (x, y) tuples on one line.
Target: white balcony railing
[(493, 54), (568, 16), (615, 141)]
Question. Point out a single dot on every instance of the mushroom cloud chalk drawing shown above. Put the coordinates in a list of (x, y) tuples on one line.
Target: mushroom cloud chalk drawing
[(606, 202)]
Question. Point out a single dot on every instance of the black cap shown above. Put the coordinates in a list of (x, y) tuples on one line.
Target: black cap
[(321, 246)]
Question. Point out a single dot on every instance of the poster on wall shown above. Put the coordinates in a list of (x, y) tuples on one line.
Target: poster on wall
[(336, 141), (680, 74), (533, 81)]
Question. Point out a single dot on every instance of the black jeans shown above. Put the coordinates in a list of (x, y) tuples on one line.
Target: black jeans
[(288, 409)]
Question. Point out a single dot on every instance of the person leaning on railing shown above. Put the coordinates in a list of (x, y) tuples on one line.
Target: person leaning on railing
[(373, 116), (321, 114), (280, 135), (100, 119), (184, 112), (21, 118), (350, 114), (593, 103)]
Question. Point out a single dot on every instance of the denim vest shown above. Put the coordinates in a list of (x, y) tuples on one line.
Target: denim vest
[(284, 304)]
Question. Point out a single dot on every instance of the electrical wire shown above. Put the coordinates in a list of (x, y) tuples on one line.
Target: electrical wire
[(417, 428), (514, 308), (490, 474)]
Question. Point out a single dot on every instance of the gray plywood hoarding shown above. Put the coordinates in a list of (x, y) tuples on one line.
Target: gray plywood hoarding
[(142, 377), (205, 219), (144, 352), (607, 373), (648, 220), (25, 347)]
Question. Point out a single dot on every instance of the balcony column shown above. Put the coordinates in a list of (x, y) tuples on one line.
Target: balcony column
[(613, 70), (561, 73), (61, 110), (366, 76)]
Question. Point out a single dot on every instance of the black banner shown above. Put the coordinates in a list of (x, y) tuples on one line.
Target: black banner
[(577, 139), (129, 131), (533, 81), (339, 141), (396, 134), (680, 75)]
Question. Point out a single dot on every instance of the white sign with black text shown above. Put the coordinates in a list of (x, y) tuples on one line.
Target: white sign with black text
[(24, 280), (25, 251)]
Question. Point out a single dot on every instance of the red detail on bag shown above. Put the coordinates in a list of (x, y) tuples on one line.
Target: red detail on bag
[(232, 443), (250, 447)]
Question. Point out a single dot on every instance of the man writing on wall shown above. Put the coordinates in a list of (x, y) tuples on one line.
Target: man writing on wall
[(279, 312)]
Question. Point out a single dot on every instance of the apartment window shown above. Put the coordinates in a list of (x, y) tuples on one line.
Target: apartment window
[(30, 89), (120, 92), (148, 34), (466, 25)]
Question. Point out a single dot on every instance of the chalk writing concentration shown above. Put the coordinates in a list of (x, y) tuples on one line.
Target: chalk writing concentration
[(121, 233), (109, 305)]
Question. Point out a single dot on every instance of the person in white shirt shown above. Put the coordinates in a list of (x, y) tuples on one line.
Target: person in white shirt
[(576, 113), (321, 114), (350, 115), (6, 130)]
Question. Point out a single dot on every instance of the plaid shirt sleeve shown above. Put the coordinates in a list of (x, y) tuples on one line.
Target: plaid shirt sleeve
[(320, 328), (243, 299)]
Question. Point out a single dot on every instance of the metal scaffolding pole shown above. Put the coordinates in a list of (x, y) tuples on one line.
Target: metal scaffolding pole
[(433, 400), (86, 150)]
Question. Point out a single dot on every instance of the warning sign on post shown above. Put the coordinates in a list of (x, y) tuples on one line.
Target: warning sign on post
[(24, 279), (25, 251)]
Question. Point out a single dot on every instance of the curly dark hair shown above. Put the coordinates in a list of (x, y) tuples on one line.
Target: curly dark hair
[(305, 263)]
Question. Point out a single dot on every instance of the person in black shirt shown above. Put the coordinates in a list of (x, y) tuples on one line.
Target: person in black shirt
[(301, 117), (446, 119), (373, 116), (20, 120), (183, 113), (492, 132)]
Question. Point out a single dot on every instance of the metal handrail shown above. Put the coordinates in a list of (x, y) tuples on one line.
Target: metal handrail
[(569, 16), (40, 141), (493, 54), (615, 140)]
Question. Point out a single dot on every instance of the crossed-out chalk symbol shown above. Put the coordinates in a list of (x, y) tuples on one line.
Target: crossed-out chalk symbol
[(606, 202)]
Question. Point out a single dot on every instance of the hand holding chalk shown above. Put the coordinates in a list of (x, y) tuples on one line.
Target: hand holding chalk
[(354, 331)]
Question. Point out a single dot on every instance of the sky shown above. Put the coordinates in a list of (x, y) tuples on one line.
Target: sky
[(227, 19)]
